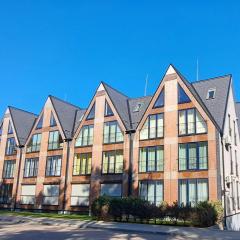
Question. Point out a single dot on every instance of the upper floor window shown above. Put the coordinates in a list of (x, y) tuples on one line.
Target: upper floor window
[(112, 133), (193, 156), (8, 168), (151, 159), (182, 96), (112, 162), (108, 111), (35, 143), (234, 132), (82, 164), (31, 167), (52, 121), (211, 93), (191, 122), (160, 100), (10, 129), (40, 123), (55, 140), (11, 146), (192, 191), (153, 127), (91, 114), (53, 167), (85, 137), (229, 125)]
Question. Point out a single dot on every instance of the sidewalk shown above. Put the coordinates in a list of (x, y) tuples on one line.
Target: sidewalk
[(190, 232)]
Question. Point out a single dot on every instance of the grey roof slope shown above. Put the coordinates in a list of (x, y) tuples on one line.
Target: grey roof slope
[(237, 107), (23, 122), (67, 114), (216, 106)]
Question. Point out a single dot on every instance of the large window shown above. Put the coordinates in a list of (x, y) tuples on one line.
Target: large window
[(35, 143), (153, 127), (151, 159), (112, 133), (80, 194), (50, 194), (8, 169), (111, 189), (151, 191), (85, 137), (112, 162), (53, 167), (11, 146), (191, 122), (6, 193), (82, 164), (31, 167), (55, 140), (28, 194), (192, 191), (193, 156)]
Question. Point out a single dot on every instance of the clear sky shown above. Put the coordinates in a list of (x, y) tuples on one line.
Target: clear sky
[(65, 48)]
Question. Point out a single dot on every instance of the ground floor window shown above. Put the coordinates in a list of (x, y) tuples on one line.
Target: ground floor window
[(6, 193), (80, 194), (151, 191), (50, 194), (28, 194), (192, 191), (111, 189)]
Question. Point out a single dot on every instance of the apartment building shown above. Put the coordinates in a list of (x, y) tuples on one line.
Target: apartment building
[(180, 144)]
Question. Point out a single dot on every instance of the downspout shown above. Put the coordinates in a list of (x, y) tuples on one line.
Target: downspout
[(66, 176), (18, 175), (224, 187)]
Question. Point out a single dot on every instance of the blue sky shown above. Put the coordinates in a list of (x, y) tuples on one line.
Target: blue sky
[(65, 48)]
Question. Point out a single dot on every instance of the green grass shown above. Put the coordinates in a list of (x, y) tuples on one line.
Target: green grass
[(48, 215)]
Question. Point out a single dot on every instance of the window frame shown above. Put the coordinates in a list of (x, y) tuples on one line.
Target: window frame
[(52, 143), (162, 105), (92, 109), (6, 198), (108, 162), (36, 146), (5, 169), (88, 136), (105, 110), (89, 155), (109, 132), (51, 167), (11, 146), (35, 162)]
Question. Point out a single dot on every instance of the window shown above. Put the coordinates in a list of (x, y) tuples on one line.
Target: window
[(10, 129), (28, 194), (0, 130), (40, 123), (232, 196), (112, 162), (229, 125), (231, 159), (80, 194), (238, 195), (31, 167), (91, 114), (8, 169), (50, 194), (55, 140), (6, 193), (82, 164), (192, 191), (236, 162), (52, 121), (151, 159), (53, 167), (108, 110), (11, 146), (35, 143), (85, 137), (151, 191), (182, 96), (112, 132), (234, 132), (211, 93), (111, 189), (160, 100), (137, 107), (153, 127), (191, 122), (193, 156)]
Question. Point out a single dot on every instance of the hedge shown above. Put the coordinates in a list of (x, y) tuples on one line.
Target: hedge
[(204, 214)]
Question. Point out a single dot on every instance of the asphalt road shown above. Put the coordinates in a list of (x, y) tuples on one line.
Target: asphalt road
[(31, 231)]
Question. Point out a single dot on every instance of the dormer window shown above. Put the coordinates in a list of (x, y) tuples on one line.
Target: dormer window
[(138, 106), (211, 93)]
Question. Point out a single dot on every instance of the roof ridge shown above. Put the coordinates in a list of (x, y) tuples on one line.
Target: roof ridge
[(115, 89), (212, 78), (63, 101), (140, 97), (22, 110)]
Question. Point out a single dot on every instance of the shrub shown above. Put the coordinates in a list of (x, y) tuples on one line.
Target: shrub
[(116, 208), (100, 207)]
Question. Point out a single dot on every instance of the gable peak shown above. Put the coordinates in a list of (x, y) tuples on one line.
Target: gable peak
[(170, 70), (101, 87)]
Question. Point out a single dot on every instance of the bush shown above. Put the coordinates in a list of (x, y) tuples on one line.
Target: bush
[(100, 208)]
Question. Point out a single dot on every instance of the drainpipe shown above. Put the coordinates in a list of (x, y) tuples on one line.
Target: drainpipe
[(224, 187), (66, 175), (18, 175)]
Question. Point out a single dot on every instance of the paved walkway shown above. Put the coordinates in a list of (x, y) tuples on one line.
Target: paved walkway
[(189, 232)]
